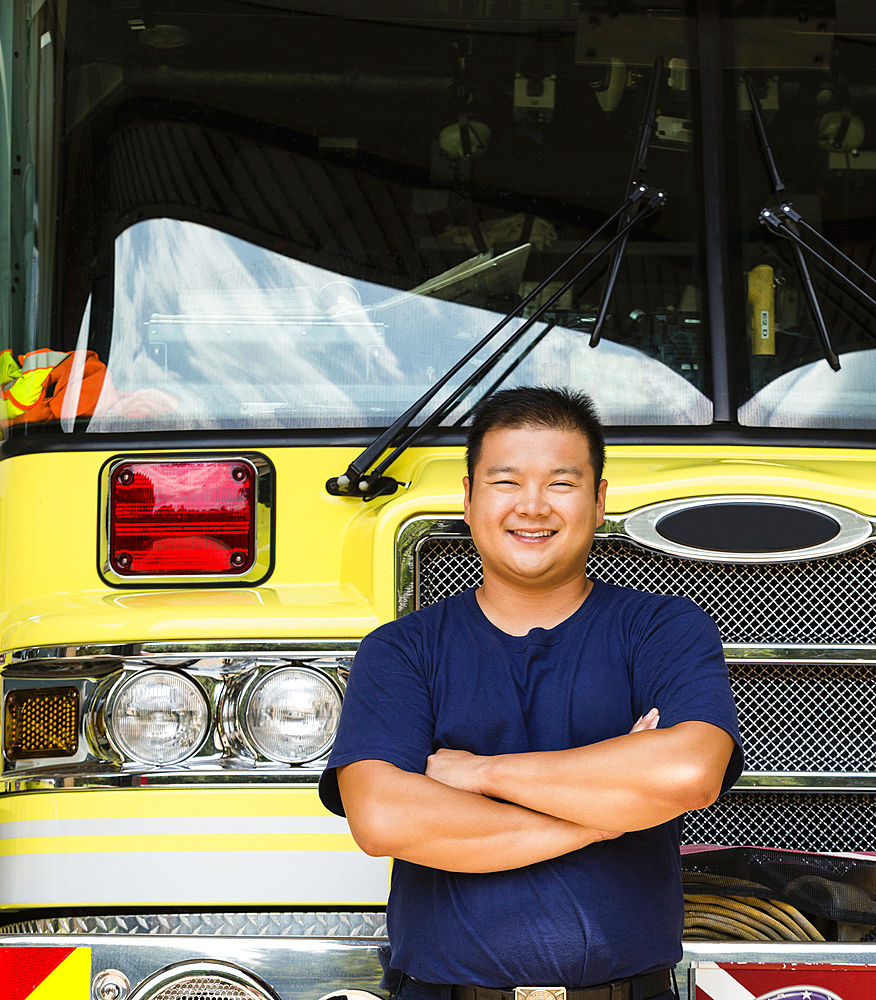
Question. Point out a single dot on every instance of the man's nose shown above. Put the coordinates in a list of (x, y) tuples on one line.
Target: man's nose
[(533, 503)]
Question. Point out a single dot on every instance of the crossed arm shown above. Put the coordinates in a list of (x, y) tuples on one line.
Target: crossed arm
[(470, 813)]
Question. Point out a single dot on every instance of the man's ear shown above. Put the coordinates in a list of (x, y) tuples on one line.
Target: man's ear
[(466, 485), (600, 502)]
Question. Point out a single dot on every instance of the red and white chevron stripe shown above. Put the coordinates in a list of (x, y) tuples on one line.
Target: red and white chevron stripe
[(783, 981)]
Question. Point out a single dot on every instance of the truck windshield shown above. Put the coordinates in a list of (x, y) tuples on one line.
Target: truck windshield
[(814, 75), (277, 215)]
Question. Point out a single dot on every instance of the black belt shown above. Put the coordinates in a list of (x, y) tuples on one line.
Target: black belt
[(651, 985)]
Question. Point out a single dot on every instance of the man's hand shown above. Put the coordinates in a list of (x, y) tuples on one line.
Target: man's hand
[(457, 768), (463, 770)]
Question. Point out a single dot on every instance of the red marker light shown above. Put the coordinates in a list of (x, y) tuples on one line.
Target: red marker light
[(182, 518)]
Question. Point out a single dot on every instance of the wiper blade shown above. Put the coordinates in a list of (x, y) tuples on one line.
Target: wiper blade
[(637, 177), (784, 221), (358, 482)]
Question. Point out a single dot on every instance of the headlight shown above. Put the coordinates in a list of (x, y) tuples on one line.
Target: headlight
[(291, 714), (158, 717)]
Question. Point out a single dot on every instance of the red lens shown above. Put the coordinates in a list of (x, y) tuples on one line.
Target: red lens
[(182, 518)]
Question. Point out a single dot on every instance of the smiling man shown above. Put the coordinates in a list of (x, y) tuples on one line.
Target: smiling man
[(505, 745)]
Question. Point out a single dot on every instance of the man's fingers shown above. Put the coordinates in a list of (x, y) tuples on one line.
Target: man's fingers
[(648, 721), (609, 835)]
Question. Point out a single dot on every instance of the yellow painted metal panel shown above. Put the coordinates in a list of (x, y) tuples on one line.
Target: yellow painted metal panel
[(158, 803), (176, 842), (638, 476), (115, 846), (334, 573)]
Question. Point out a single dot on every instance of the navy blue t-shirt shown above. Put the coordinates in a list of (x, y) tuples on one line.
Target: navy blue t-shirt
[(446, 676)]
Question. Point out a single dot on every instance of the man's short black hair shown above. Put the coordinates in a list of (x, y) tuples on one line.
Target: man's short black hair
[(537, 406)]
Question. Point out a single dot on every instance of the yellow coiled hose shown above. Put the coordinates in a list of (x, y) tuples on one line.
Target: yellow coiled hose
[(744, 918)]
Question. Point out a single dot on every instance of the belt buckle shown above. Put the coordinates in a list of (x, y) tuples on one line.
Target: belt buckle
[(539, 993)]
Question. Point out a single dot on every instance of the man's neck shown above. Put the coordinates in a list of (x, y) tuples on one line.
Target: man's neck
[(517, 611)]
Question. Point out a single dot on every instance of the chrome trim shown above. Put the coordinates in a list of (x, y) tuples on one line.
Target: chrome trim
[(299, 967), (789, 781), (410, 536), (309, 965), (226, 648), (218, 775), (855, 530), (735, 653), (263, 561), (98, 761), (208, 776)]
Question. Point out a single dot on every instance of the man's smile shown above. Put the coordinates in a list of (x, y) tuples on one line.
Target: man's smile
[(521, 533)]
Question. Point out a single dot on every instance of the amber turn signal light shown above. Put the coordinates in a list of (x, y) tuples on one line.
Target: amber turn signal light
[(41, 723)]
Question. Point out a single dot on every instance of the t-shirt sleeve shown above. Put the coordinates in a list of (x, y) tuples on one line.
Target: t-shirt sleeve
[(679, 667), (387, 713)]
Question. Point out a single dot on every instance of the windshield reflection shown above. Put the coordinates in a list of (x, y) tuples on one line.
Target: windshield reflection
[(211, 331), (815, 396)]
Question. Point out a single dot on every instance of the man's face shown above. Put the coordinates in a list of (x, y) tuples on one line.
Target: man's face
[(531, 506)]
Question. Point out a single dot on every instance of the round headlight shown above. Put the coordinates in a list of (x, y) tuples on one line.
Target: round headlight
[(291, 714), (159, 717)]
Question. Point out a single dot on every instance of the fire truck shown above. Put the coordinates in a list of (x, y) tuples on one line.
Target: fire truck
[(260, 258)]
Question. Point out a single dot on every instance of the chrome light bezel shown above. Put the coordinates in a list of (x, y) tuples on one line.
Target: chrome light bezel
[(122, 745), (244, 700)]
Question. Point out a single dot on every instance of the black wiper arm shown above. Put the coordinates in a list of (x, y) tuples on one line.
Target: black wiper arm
[(637, 177), (358, 482), (784, 221)]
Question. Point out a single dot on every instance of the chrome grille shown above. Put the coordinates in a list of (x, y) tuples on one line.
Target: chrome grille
[(793, 821), (775, 603)]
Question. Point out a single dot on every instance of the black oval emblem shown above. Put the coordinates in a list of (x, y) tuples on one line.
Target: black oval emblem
[(747, 527)]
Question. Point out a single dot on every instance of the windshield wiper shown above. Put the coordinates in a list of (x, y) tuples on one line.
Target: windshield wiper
[(642, 200), (637, 177), (783, 220), (357, 481)]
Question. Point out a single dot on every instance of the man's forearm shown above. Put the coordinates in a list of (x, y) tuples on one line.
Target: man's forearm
[(632, 782), (398, 814)]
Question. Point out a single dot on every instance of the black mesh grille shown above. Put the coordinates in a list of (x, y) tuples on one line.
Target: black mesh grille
[(806, 717), (788, 820), (820, 602)]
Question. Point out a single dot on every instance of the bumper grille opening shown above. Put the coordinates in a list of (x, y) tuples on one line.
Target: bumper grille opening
[(206, 980), (793, 821), (204, 988)]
